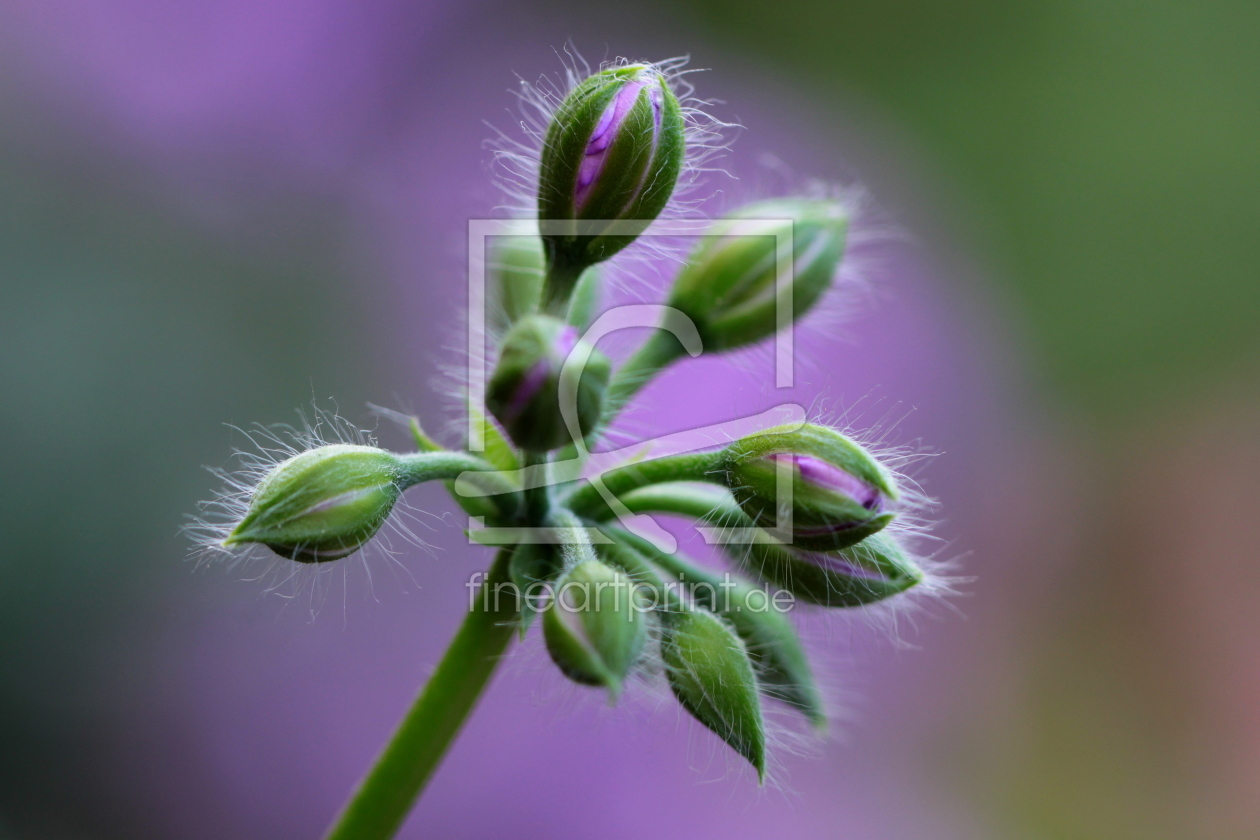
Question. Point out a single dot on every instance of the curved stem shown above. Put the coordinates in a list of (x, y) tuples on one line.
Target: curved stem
[(706, 503), (587, 501), (463, 470), (418, 467), (381, 802)]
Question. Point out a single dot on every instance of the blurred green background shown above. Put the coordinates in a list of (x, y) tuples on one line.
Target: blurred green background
[(1100, 159), (1109, 150)]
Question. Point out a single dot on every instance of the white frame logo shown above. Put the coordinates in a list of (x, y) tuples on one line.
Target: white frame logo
[(592, 465)]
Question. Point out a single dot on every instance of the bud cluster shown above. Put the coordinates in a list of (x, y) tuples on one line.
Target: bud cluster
[(811, 507)]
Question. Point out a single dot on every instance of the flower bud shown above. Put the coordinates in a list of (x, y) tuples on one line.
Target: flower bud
[(839, 494), (874, 569), (711, 675), (321, 504), (728, 287), (772, 642), (613, 151), (524, 392), (595, 627)]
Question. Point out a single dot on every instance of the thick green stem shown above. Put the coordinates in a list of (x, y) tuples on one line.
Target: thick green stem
[(382, 800), (587, 501), (484, 506), (473, 472), (419, 467), (486, 493)]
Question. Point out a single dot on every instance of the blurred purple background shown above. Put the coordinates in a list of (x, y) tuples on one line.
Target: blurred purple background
[(225, 209)]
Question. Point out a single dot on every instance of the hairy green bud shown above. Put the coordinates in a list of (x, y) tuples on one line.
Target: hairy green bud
[(524, 392), (322, 504), (835, 491), (595, 626), (874, 569), (756, 616), (712, 676), (728, 287), (613, 152)]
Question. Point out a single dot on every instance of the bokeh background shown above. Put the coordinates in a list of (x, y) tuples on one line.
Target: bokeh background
[(216, 211)]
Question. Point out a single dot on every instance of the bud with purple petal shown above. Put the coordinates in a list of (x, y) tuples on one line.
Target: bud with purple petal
[(874, 569), (524, 392), (612, 153), (833, 491)]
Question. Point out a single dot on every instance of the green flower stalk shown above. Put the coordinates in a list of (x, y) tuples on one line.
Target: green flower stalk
[(802, 511), (808, 486)]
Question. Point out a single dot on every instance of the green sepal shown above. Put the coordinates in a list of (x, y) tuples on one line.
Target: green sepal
[(423, 442), (712, 675), (497, 451)]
